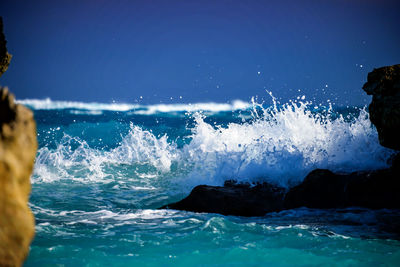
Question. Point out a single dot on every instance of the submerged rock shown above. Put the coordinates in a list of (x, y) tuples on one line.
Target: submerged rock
[(233, 199), (5, 57), (18, 147), (384, 86)]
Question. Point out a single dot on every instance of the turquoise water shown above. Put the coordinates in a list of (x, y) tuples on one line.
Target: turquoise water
[(103, 170)]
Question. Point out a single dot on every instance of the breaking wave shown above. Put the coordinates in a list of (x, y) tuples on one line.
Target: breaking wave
[(280, 145)]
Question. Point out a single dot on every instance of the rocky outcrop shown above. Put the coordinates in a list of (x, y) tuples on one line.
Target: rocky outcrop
[(384, 86), (233, 199), (324, 189), (18, 147), (5, 57), (321, 189)]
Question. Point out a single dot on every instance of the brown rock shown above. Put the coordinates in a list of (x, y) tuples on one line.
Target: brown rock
[(18, 147), (5, 57), (384, 86)]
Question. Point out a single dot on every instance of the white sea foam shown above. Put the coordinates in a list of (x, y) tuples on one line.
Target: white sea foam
[(48, 104), (86, 112), (281, 145), (143, 147), (211, 107), (73, 159), (99, 215)]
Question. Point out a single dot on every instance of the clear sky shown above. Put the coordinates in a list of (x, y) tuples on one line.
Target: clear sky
[(150, 51)]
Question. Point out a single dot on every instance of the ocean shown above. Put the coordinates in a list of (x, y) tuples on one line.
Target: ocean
[(103, 170)]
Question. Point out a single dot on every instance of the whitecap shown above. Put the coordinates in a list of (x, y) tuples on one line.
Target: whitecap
[(96, 108), (48, 104)]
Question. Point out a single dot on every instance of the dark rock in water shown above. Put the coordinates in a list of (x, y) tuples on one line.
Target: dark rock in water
[(233, 199), (384, 86), (376, 189), (325, 189), (5, 57), (321, 189)]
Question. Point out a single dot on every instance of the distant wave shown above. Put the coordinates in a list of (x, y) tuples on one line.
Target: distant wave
[(211, 106), (48, 104)]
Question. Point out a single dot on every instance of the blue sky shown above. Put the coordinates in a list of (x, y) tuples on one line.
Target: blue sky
[(152, 51)]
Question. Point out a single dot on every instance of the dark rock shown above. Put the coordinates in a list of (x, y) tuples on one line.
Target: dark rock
[(395, 162), (320, 189), (376, 189), (5, 57), (233, 199), (384, 86), (325, 189), (7, 107)]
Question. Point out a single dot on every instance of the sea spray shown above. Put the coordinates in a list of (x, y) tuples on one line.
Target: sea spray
[(279, 144), (283, 145)]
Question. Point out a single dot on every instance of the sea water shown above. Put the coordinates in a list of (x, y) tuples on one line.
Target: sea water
[(103, 170)]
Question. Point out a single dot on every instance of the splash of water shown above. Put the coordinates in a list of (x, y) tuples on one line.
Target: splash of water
[(283, 145), (280, 145)]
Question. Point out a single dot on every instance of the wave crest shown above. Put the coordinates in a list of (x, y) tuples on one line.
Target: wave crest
[(280, 145)]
